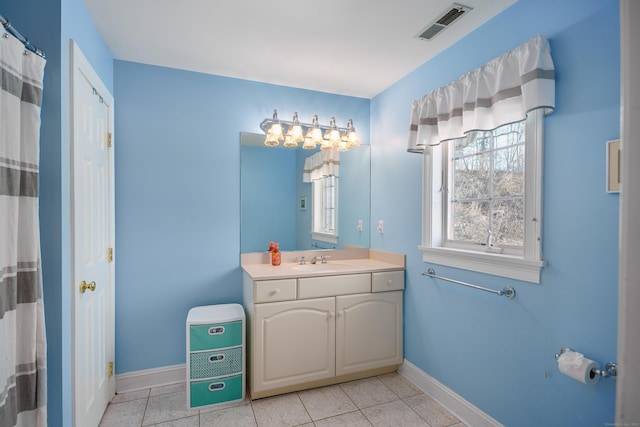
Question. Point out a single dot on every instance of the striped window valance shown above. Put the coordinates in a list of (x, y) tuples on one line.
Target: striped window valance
[(322, 164), (500, 92)]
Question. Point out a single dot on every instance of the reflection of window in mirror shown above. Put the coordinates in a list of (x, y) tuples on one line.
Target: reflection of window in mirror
[(325, 209)]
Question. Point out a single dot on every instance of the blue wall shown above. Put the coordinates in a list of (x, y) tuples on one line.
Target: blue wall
[(178, 196), (499, 354)]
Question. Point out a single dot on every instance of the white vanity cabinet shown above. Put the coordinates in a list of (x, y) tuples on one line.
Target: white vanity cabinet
[(368, 331), (333, 328), (294, 343)]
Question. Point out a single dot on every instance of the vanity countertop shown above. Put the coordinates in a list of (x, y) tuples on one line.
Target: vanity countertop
[(258, 266)]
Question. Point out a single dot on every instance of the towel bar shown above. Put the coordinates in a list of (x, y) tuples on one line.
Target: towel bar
[(507, 291)]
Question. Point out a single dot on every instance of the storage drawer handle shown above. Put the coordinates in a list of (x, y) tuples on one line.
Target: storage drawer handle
[(217, 386), (216, 330), (216, 358)]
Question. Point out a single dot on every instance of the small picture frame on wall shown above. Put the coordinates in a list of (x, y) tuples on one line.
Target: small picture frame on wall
[(613, 166), (303, 203)]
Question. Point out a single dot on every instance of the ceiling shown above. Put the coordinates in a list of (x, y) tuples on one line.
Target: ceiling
[(348, 47)]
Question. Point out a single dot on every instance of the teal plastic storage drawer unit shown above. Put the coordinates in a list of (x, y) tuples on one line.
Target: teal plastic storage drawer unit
[(215, 355)]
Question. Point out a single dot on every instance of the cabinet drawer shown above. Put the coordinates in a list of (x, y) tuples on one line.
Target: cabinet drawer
[(387, 281), (328, 286), (220, 335), (215, 391), (274, 290), (216, 363)]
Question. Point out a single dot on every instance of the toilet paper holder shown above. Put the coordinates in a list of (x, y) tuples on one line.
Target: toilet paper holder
[(610, 369)]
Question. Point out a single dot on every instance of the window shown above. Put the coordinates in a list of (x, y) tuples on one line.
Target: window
[(485, 190), (482, 201), (325, 209), (482, 191)]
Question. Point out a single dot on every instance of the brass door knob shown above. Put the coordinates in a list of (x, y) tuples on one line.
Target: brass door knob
[(84, 286)]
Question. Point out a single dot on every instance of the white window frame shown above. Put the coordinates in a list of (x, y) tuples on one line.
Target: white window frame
[(524, 267), (318, 209)]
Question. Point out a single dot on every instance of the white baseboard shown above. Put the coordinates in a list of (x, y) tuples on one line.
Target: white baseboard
[(148, 378), (458, 406)]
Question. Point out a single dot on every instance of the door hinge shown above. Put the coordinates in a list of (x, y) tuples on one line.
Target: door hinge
[(110, 255), (109, 139), (110, 369)]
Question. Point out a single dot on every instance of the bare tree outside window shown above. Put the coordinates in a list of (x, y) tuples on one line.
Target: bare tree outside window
[(486, 187)]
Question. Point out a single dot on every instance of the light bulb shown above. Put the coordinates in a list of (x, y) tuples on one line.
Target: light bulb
[(295, 132), (316, 135), (352, 137), (270, 140), (276, 131), (342, 145), (326, 145), (308, 144), (289, 142), (334, 136)]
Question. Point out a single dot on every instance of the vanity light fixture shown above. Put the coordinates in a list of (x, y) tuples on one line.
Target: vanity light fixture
[(274, 132), (309, 134), (294, 134), (351, 135)]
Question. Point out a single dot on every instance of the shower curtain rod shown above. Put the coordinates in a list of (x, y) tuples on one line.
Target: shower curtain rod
[(9, 28)]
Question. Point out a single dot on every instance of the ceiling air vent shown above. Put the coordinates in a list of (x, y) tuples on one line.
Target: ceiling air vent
[(450, 15)]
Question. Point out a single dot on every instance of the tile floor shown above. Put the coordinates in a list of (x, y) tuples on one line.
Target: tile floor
[(386, 400)]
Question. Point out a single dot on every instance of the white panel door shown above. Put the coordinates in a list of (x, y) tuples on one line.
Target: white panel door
[(368, 331), (294, 342), (92, 235)]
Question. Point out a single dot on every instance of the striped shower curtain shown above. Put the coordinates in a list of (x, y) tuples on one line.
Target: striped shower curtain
[(23, 379)]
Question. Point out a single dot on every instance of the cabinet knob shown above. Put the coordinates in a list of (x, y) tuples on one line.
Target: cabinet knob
[(275, 292), (389, 282)]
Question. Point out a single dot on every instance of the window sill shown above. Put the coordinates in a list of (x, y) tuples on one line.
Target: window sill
[(324, 237), (502, 265)]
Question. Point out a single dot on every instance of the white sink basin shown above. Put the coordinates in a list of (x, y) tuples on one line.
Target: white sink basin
[(319, 267)]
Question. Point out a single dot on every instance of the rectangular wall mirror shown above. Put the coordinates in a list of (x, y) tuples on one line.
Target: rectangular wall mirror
[(276, 205)]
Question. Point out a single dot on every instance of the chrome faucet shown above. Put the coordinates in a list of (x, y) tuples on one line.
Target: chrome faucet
[(319, 257)]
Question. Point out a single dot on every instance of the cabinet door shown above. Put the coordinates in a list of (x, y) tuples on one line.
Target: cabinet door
[(294, 342), (368, 331)]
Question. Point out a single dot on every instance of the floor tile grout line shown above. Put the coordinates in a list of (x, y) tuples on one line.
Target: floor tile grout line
[(416, 412), (373, 406), (398, 396), (253, 412), (305, 408), (146, 405)]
